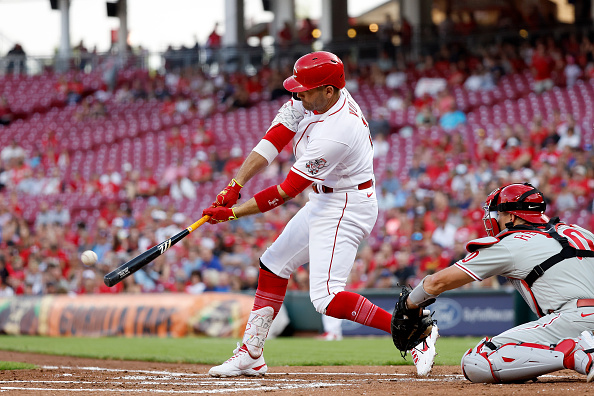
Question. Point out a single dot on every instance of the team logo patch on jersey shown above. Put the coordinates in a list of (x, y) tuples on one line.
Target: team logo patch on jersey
[(314, 166)]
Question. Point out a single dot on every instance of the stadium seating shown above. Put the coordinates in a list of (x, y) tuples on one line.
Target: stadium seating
[(136, 132)]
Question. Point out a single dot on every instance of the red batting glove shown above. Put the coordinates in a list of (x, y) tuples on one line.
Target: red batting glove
[(219, 214), (229, 196)]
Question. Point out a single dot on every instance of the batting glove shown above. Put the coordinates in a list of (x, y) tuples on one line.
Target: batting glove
[(229, 196), (219, 214)]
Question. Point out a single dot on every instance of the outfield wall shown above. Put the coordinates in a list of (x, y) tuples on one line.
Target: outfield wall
[(460, 313), (129, 315)]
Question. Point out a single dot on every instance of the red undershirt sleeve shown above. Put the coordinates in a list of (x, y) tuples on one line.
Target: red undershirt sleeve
[(294, 184), (279, 135)]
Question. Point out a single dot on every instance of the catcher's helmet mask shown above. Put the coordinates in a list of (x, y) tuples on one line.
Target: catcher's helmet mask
[(520, 199)]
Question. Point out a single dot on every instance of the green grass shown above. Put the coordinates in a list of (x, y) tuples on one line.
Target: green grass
[(16, 366), (289, 351)]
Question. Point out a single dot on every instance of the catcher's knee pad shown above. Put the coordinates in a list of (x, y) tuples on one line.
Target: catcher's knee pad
[(511, 362), (476, 365)]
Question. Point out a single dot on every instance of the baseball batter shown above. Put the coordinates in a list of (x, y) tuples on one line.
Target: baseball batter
[(334, 152), (551, 264)]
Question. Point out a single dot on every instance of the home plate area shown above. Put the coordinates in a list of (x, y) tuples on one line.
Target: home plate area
[(76, 376)]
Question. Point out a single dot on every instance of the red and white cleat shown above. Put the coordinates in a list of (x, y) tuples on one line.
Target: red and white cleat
[(241, 363), (424, 353)]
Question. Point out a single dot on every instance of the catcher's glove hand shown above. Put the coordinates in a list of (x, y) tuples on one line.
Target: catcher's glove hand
[(409, 326)]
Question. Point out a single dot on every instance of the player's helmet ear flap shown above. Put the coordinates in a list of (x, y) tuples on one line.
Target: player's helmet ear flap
[(314, 70)]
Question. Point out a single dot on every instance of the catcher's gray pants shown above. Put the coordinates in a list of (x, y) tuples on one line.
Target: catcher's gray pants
[(568, 322), (533, 348)]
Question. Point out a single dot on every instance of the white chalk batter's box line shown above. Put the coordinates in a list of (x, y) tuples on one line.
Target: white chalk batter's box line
[(156, 378)]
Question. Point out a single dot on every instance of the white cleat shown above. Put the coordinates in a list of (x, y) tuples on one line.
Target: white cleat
[(586, 343), (241, 363), (424, 353)]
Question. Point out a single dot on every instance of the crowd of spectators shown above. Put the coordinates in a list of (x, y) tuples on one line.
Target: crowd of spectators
[(426, 216)]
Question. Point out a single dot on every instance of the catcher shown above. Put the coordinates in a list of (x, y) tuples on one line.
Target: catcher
[(551, 264)]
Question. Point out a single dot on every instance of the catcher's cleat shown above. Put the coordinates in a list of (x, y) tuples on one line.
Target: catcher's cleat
[(584, 355), (424, 353), (241, 363)]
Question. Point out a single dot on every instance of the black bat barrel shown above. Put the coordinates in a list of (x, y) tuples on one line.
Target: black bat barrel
[(130, 267)]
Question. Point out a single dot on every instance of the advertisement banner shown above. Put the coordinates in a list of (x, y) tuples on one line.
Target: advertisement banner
[(130, 315), (461, 314)]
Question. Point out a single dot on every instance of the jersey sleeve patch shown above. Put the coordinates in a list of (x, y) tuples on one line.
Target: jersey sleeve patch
[(314, 166), (481, 243)]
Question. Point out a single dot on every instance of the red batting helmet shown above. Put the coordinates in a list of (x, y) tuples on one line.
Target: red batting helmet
[(520, 199), (315, 70)]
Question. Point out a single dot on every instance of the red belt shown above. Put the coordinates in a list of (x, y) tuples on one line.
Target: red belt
[(328, 190), (581, 303), (585, 302)]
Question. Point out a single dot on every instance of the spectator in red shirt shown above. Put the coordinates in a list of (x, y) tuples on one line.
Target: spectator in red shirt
[(147, 184), (548, 155), (253, 85), (542, 69), (56, 254), (434, 259), (579, 183), (107, 186), (285, 36), (202, 139), (201, 170), (538, 131), (306, 31), (74, 91), (523, 154), (175, 140), (234, 162), (213, 44)]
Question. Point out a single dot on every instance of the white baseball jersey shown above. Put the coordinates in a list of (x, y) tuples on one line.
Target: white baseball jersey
[(515, 255), (333, 149)]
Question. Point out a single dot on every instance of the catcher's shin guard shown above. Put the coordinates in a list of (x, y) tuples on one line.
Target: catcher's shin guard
[(256, 330), (583, 356), (515, 362)]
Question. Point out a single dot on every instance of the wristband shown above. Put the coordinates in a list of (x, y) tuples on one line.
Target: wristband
[(268, 199), (233, 182), (420, 297)]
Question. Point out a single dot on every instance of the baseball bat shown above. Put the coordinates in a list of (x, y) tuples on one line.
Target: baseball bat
[(131, 266)]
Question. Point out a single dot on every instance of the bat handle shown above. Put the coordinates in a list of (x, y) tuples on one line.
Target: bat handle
[(197, 224)]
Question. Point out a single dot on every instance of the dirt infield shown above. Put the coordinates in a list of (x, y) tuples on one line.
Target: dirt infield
[(59, 375)]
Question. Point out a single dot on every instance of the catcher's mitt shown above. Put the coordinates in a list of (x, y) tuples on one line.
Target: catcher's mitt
[(409, 326)]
